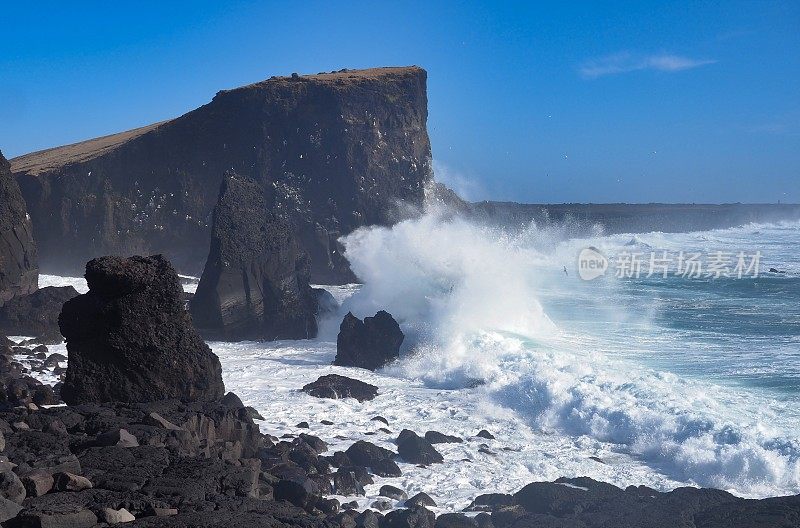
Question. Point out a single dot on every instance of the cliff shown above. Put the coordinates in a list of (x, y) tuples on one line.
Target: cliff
[(335, 151), (19, 271)]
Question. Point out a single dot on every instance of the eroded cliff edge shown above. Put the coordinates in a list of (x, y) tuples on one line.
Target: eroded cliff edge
[(19, 269), (335, 151)]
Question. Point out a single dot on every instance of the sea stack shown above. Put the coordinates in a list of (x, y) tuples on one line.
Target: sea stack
[(19, 268), (129, 339), (369, 344), (334, 151), (255, 282)]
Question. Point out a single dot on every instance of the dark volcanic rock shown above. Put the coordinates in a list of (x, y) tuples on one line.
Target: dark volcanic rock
[(413, 517), (19, 267), (415, 449), (435, 437), (255, 282), (336, 151), (584, 502), (129, 338), (367, 454), (36, 314), (336, 387), (421, 499), (370, 343)]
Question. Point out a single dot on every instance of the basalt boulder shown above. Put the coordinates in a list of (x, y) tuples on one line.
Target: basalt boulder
[(335, 387), (256, 281), (36, 314), (19, 268), (129, 338), (369, 344)]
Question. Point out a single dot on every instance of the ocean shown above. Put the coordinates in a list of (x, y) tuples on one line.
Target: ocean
[(688, 379)]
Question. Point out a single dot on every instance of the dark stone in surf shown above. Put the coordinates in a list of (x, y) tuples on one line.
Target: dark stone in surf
[(369, 344)]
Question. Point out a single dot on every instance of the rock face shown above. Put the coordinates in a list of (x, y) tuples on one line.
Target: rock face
[(129, 338), (36, 314), (370, 343), (19, 268), (255, 283), (335, 151)]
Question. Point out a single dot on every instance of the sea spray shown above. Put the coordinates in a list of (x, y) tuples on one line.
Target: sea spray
[(468, 295)]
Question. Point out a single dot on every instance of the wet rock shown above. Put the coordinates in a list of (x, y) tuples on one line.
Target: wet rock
[(413, 517), (255, 284), (345, 483), (368, 519), (19, 263), (416, 450), (36, 314), (483, 433), (369, 344), (302, 425), (129, 338), (435, 437), (367, 454), (455, 520), (421, 499), (490, 502), (484, 520), (386, 468), (335, 386), (381, 505), (380, 419), (392, 492)]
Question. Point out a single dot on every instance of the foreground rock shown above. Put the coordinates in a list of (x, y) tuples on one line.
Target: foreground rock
[(255, 282), (336, 387), (369, 344), (129, 338), (36, 314), (337, 151), (584, 502), (19, 267), (417, 450)]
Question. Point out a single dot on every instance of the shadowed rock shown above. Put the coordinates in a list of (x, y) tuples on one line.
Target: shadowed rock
[(129, 338), (19, 267), (335, 387), (369, 344), (36, 314), (255, 282)]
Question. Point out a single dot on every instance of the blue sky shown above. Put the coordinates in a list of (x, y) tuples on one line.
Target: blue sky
[(561, 102)]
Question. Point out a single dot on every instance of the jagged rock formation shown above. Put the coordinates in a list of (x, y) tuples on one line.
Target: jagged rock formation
[(370, 343), (335, 151), (255, 283), (129, 339), (19, 268), (36, 314)]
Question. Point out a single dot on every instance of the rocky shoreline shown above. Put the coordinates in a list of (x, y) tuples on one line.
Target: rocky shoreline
[(188, 462)]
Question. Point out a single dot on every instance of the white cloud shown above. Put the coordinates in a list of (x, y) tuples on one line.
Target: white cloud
[(627, 62)]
